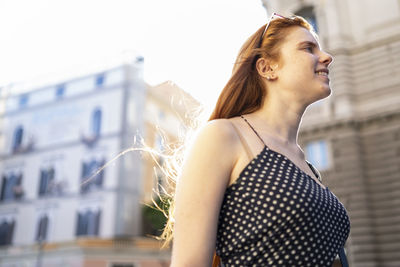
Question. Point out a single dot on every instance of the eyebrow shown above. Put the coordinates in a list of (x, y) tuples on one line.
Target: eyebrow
[(309, 43)]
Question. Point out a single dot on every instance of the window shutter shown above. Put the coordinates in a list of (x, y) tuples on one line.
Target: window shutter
[(96, 122), (3, 233), (85, 223), (3, 187), (97, 222), (8, 190), (50, 181), (18, 134), (43, 182), (100, 176), (10, 232), (83, 185), (79, 224), (42, 228)]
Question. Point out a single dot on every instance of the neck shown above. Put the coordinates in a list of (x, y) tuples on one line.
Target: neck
[(280, 121)]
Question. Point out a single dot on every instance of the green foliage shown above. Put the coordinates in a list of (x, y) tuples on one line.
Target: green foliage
[(154, 219)]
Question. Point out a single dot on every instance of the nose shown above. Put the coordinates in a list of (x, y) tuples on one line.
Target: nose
[(326, 58)]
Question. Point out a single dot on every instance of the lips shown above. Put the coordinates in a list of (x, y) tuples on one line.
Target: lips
[(322, 72)]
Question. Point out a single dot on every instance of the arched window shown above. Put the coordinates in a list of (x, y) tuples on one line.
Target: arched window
[(23, 100), (18, 135), (307, 12), (60, 91), (96, 121), (100, 80)]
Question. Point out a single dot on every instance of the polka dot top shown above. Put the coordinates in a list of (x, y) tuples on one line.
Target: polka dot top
[(275, 214)]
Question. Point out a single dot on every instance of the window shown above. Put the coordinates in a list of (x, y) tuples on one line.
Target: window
[(60, 91), (18, 136), (161, 114), (88, 223), (47, 182), (6, 232), (159, 143), (41, 233), (308, 13), (88, 181), (96, 122), (317, 153), (100, 80), (23, 100), (139, 59), (11, 187)]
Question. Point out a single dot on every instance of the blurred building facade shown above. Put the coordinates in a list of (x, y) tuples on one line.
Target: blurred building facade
[(56, 208), (353, 137)]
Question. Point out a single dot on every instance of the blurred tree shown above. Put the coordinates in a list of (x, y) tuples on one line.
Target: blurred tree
[(154, 219)]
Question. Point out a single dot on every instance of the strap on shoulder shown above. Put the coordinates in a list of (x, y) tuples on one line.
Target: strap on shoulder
[(248, 123), (314, 170), (243, 141)]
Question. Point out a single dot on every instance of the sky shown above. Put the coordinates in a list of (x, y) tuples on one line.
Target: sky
[(192, 43)]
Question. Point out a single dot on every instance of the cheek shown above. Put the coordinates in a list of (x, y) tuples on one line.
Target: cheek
[(301, 65), (298, 69)]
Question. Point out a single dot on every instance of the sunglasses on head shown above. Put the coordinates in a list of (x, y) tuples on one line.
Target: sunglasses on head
[(273, 16)]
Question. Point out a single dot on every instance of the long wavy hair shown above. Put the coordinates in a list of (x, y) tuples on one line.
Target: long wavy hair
[(245, 91)]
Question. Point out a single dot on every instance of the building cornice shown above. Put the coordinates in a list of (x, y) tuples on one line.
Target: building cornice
[(104, 247), (93, 91), (48, 202), (51, 84), (367, 46), (355, 122), (60, 146)]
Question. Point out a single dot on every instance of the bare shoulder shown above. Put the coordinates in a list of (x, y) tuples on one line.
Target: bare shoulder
[(221, 128), (219, 132), (217, 138)]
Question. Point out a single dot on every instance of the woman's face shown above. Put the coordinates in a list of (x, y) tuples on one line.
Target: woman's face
[(303, 67)]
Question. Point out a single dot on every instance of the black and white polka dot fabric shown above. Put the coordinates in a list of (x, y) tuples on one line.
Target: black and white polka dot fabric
[(275, 214)]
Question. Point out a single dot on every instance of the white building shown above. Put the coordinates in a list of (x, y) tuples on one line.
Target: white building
[(54, 139)]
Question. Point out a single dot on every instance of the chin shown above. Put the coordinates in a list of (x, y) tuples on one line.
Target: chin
[(326, 91), (323, 94)]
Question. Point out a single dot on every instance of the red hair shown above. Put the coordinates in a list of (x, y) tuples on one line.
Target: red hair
[(245, 91)]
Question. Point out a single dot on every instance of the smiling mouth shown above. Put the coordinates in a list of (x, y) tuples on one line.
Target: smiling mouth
[(322, 73)]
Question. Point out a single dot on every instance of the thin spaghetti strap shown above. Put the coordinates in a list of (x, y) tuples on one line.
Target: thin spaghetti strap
[(253, 130), (314, 170), (243, 141)]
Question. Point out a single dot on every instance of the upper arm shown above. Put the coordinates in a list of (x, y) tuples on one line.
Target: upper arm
[(199, 193)]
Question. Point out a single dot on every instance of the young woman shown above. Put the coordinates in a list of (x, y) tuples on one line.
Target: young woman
[(245, 189)]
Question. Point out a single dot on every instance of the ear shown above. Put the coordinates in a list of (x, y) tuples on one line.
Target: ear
[(266, 68)]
